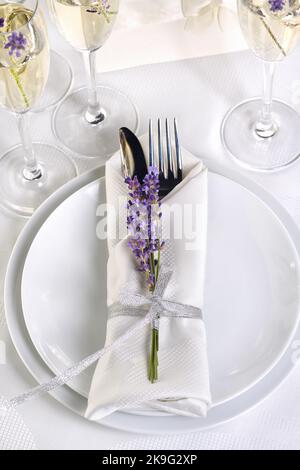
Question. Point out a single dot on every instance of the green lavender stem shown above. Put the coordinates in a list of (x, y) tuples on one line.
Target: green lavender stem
[(273, 37), (154, 348), (157, 267), (152, 264), (153, 364), (20, 87), (105, 15)]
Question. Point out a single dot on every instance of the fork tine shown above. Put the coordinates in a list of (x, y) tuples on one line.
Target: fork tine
[(178, 151), (151, 147), (161, 166), (169, 150)]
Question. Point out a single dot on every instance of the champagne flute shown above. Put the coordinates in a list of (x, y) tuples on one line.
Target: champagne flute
[(263, 134), (87, 121), (59, 81), (31, 172)]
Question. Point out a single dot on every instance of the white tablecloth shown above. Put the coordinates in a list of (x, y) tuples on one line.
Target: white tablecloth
[(198, 92)]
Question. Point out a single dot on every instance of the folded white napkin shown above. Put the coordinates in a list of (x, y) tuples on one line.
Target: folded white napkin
[(120, 381)]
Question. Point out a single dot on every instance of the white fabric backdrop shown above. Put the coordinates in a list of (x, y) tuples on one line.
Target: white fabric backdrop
[(198, 92), (134, 13)]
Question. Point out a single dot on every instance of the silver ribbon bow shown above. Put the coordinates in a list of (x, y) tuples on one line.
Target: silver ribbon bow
[(129, 304), (202, 13), (156, 305)]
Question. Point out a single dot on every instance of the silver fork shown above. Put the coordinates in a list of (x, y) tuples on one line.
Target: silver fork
[(169, 163)]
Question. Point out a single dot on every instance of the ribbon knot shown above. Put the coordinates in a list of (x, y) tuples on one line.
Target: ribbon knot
[(159, 302), (134, 304)]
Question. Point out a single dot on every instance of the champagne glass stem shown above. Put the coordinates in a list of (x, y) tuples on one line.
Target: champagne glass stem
[(94, 114), (32, 170), (266, 126)]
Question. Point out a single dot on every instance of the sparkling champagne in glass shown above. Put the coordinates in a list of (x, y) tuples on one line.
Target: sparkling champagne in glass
[(261, 134), (59, 80), (24, 56), (85, 25), (88, 120), (24, 66)]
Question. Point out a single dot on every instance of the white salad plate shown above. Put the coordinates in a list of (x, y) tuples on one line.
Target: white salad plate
[(55, 295)]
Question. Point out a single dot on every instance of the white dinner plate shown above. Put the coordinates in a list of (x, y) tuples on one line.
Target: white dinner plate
[(252, 295)]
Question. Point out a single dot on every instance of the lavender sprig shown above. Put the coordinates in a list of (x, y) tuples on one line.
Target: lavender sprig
[(144, 228), (15, 44), (103, 8), (270, 8)]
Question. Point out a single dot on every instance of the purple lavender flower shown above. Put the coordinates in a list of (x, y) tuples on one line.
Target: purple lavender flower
[(143, 221), (102, 7), (16, 43), (2, 21), (276, 5), (151, 185), (105, 4)]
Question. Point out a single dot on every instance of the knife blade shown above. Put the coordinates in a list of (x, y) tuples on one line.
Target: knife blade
[(132, 155)]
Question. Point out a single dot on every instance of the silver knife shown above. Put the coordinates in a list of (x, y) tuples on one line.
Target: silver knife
[(133, 158)]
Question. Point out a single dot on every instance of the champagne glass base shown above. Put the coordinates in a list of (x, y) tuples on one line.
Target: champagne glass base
[(93, 140), (22, 196), (59, 83), (257, 153)]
